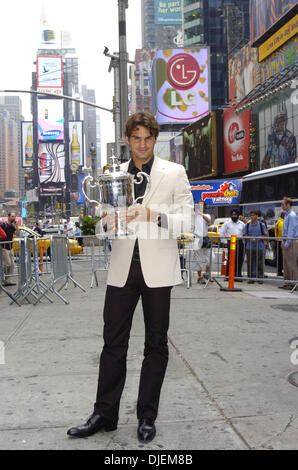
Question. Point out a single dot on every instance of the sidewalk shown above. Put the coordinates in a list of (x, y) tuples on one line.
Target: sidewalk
[(226, 385)]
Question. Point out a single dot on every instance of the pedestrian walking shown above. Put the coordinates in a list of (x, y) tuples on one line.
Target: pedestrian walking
[(289, 244), (10, 228), (202, 244), (145, 265), (78, 233), (278, 231), (37, 228), (234, 226), (254, 247), (70, 230)]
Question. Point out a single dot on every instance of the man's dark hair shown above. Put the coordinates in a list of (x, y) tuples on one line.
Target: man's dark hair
[(253, 212), (288, 200), (144, 119)]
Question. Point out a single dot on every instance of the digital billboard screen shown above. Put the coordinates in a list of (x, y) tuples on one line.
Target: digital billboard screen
[(181, 88), (243, 73), (27, 144), (49, 74), (50, 119), (236, 132), (264, 13), (168, 12), (51, 163), (200, 148)]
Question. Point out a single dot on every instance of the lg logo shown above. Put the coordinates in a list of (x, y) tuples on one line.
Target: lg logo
[(183, 71)]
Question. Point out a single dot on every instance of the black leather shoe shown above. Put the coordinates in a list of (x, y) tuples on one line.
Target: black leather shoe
[(94, 424), (146, 430)]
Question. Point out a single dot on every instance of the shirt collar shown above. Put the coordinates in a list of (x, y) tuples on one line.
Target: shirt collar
[(146, 168)]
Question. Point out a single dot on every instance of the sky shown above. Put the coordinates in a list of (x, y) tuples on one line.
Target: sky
[(92, 25)]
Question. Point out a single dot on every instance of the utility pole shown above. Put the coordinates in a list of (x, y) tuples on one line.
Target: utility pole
[(123, 59)]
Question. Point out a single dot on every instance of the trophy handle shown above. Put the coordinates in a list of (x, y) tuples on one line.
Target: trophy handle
[(92, 185), (141, 175)]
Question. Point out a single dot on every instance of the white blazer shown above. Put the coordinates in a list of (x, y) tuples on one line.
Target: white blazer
[(169, 194)]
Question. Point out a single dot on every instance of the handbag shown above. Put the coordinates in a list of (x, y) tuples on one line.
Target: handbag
[(3, 235), (206, 242)]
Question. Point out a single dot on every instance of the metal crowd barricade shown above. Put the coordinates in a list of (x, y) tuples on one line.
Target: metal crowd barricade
[(100, 261), (250, 263), (60, 269)]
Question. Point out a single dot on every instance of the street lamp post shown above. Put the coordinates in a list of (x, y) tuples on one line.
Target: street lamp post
[(93, 166)]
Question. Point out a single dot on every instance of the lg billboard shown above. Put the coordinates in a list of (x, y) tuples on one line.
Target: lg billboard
[(181, 85)]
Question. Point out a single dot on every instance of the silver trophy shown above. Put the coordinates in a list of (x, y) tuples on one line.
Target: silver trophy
[(116, 192)]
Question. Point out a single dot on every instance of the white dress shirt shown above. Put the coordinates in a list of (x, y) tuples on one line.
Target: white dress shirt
[(230, 228)]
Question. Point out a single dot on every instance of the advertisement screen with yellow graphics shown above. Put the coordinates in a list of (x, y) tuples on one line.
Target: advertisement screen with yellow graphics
[(284, 34), (27, 144), (181, 88), (76, 143)]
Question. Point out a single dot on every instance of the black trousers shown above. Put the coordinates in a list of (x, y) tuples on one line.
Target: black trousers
[(120, 304)]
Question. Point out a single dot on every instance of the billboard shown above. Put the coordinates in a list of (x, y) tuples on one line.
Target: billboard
[(200, 148), (243, 73), (50, 119), (49, 74), (176, 149), (27, 144), (168, 12), (264, 13), (278, 61), (51, 163), (181, 85), (76, 143), (286, 32), (236, 136), (278, 132), (217, 192)]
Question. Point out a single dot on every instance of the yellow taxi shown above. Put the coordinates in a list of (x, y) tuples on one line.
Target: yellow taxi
[(74, 246), (214, 232)]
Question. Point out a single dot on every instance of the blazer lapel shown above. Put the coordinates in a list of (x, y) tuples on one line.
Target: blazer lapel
[(157, 174)]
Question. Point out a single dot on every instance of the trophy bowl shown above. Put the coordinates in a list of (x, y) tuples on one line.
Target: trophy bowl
[(116, 194)]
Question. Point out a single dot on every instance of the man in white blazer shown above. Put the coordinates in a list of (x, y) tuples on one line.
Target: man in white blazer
[(144, 265)]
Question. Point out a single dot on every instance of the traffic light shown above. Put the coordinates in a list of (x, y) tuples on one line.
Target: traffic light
[(253, 146)]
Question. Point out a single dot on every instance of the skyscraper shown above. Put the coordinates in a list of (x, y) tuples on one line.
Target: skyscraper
[(9, 155), (13, 105), (89, 121), (223, 25)]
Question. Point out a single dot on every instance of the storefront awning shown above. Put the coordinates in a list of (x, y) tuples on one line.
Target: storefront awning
[(265, 90)]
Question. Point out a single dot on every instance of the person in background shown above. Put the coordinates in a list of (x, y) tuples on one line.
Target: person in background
[(78, 233), (289, 244), (37, 228), (234, 226), (254, 247), (10, 228), (201, 256), (69, 228), (278, 230)]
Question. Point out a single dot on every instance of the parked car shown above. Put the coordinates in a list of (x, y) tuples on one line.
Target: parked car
[(74, 246)]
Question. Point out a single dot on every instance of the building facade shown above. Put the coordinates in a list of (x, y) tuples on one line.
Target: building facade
[(13, 105), (223, 26), (89, 122)]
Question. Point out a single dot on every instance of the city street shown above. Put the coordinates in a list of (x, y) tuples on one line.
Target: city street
[(226, 385)]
